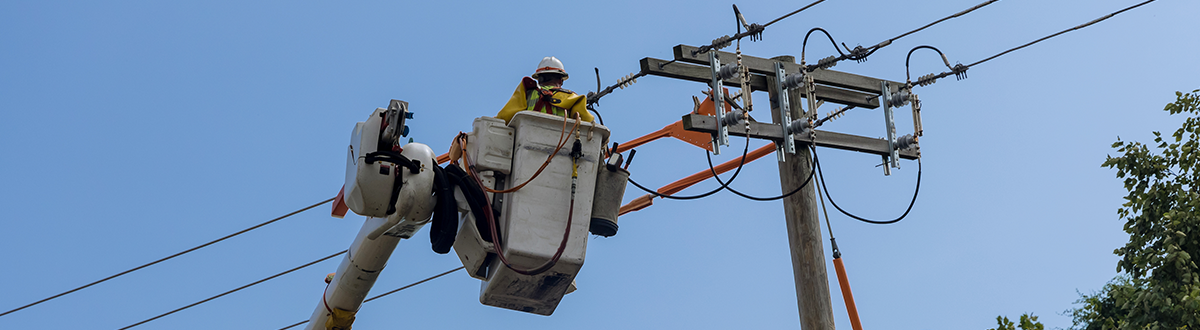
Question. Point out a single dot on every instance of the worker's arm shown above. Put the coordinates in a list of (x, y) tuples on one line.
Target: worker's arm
[(580, 107), (517, 102)]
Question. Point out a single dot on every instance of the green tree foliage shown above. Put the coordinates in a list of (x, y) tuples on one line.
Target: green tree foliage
[(1160, 284), (1028, 322)]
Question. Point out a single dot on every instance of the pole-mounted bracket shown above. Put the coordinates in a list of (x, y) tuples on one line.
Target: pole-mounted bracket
[(722, 136), (893, 159), (787, 144)]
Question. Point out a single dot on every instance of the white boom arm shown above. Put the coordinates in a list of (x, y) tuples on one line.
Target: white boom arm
[(370, 190)]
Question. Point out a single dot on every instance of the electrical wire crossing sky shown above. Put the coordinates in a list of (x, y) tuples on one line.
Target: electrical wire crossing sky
[(189, 124)]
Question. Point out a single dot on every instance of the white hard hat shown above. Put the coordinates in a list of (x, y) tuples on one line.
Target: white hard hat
[(552, 65)]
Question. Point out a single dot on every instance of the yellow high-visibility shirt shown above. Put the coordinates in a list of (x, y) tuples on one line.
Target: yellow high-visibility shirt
[(529, 96)]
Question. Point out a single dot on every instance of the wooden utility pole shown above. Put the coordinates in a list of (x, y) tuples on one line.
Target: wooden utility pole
[(800, 209), (803, 223)]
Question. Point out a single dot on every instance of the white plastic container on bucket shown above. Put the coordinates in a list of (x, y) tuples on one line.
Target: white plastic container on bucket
[(534, 218)]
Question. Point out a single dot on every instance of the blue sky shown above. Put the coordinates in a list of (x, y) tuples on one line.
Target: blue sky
[(136, 129)]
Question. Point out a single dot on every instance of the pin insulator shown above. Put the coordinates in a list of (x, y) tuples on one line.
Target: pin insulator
[(899, 99), (728, 71), (799, 126), (793, 80), (905, 142), (732, 118)]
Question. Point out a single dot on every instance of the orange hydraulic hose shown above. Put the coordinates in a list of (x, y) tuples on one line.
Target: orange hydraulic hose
[(846, 295)]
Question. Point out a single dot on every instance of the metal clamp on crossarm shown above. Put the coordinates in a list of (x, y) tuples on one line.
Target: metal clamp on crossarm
[(722, 135), (782, 85), (892, 160)]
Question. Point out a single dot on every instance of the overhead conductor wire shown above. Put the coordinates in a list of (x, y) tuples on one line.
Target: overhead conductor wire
[(859, 53), (753, 30), (761, 199), (427, 279), (709, 193), (825, 187), (243, 231), (960, 70), (237, 289), (792, 13)]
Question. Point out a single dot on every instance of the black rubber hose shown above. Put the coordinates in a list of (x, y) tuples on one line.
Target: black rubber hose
[(718, 189)]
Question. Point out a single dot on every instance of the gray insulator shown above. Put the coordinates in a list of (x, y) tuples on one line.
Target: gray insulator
[(799, 126), (827, 62), (899, 99), (905, 142), (793, 80), (728, 71), (927, 80), (722, 42), (732, 118)]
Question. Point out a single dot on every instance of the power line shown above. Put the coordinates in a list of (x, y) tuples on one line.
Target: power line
[(821, 178), (236, 290), (964, 12), (724, 185), (427, 279), (1063, 31), (754, 31), (860, 53), (243, 231), (960, 70), (792, 13), (754, 198)]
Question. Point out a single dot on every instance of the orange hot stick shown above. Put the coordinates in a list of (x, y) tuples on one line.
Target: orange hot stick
[(846, 295)]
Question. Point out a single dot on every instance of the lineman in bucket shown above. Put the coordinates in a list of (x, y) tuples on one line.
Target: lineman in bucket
[(546, 94)]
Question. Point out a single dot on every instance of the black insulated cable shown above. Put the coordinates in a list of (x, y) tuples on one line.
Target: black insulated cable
[(243, 231), (825, 187), (715, 190), (762, 199), (804, 47), (908, 58)]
